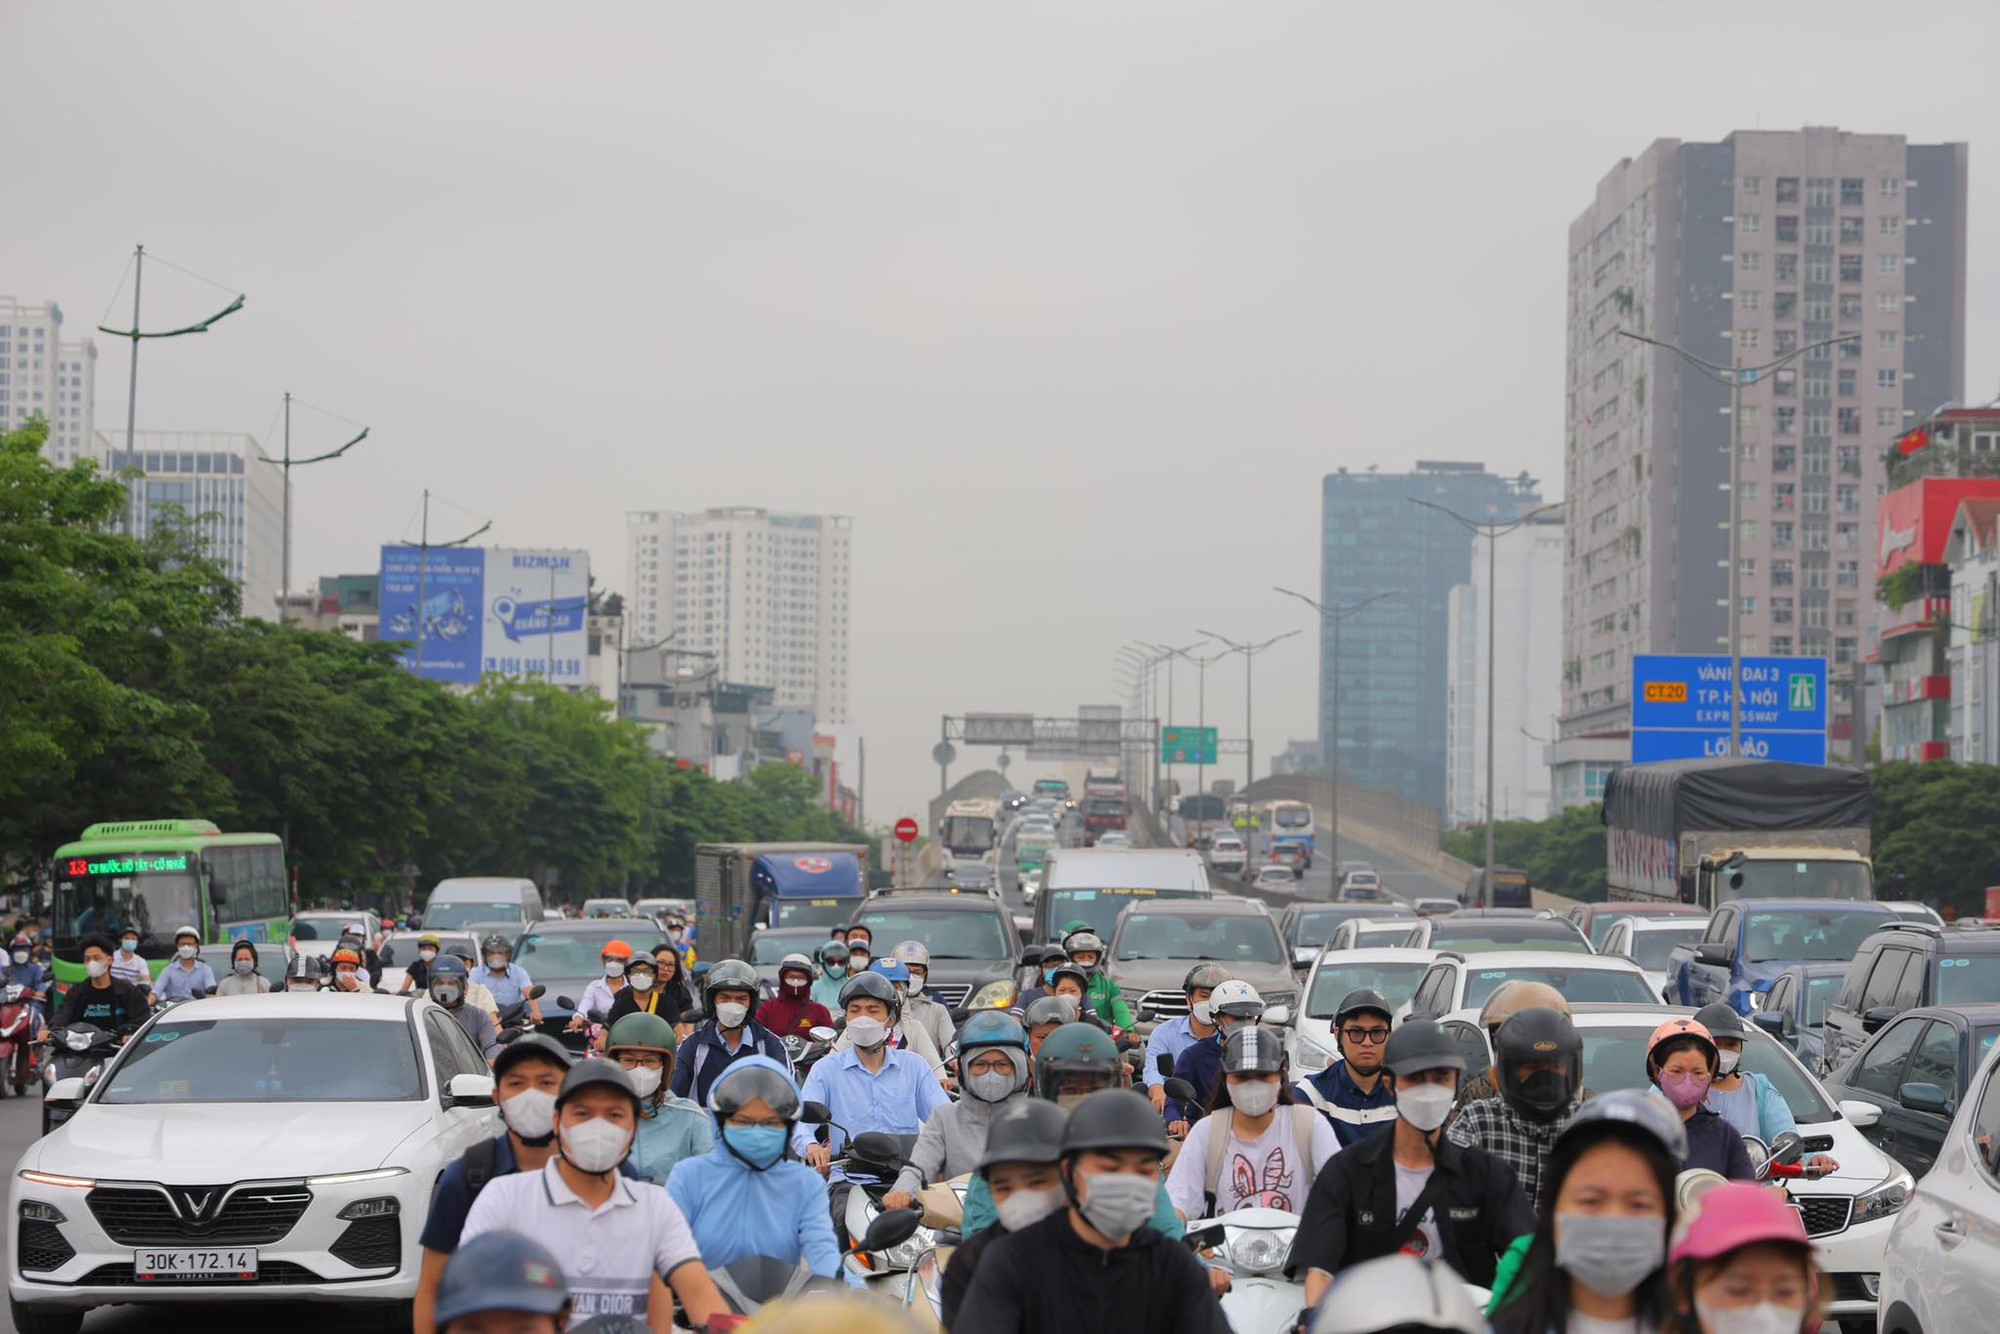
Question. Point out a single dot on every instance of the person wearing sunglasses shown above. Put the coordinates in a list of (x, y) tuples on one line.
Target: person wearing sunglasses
[(1352, 1092)]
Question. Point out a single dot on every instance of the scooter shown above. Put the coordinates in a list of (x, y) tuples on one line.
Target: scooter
[(1254, 1244), (880, 1156), (807, 1048), (17, 1050), (76, 1052), (514, 1022), (944, 1214)]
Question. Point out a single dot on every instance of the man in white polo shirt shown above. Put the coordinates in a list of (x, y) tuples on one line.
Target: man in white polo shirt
[(622, 1243)]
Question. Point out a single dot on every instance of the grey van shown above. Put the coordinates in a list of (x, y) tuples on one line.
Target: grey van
[(480, 899)]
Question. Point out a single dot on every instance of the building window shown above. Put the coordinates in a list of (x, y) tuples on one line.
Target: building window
[(1847, 386), (1750, 185), (1816, 382), (1749, 224), (1784, 496), (1819, 231), (1850, 308), (1781, 646), (1752, 415), (1746, 339), (1788, 266), (1781, 611), (1746, 568), (1886, 416), (1788, 189), (1819, 192), (1819, 310), (1888, 303), (1850, 191), (1781, 574), (1747, 606), (1750, 261), (1892, 187), (1847, 574), (1889, 224), (1784, 458), (1746, 530), (1784, 340), (1788, 229), (1785, 382), (1749, 492), (1749, 302), (1888, 264), (1850, 421), (1848, 534), (1785, 305), (1819, 269), (1785, 421), (1850, 268), (1886, 378)]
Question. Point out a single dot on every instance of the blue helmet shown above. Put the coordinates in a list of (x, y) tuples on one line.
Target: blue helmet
[(992, 1028), (500, 1271), (892, 968)]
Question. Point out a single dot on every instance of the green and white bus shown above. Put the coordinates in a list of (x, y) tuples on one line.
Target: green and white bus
[(157, 876)]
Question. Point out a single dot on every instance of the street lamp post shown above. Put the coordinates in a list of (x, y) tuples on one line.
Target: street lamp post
[(1201, 724), (1493, 532), (1736, 377), (288, 463), (1332, 616), (1249, 652), (1167, 653)]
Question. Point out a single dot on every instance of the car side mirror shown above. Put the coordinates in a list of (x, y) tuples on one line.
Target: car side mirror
[(469, 1091), (1771, 1021), (815, 1114), (1278, 1016), (1873, 1018), (892, 1227), (1921, 1097), (67, 1092), (1859, 1114), (1715, 953)]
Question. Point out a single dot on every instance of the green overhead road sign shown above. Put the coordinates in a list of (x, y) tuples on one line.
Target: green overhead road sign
[(1187, 745)]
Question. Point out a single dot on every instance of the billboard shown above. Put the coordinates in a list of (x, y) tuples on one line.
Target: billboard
[(469, 612), (1913, 523), (1680, 708)]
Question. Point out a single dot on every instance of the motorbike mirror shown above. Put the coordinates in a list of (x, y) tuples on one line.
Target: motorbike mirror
[(568, 1003), (1760, 1154), (814, 1113), (537, 991), (1165, 1064), (694, 1016), (821, 1033), (1203, 1238), (1181, 1090), (892, 1227), (877, 1147), (67, 1092)]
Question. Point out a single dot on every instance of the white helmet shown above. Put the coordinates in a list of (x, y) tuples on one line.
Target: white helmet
[(912, 952), (1237, 999), (1402, 1293)]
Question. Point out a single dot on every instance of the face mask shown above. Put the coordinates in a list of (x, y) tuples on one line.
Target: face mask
[(1048, 977), (345, 975), (595, 1146), (20, 956), (1425, 1106), (795, 988), (673, 933), (614, 970), (128, 945), (836, 970), (427, 955), (916, 987), (531, 1114), (447, 996), (857, 963), (641, 981), (1763, 1318), (185, 951), (1203, 1012), (97, 967), (497, 962), (1727, 1065), (244, 967), (1683, 1091), (731, 1014), (1025, 1208), (760, 1146), (645, 1082), (303, 986), (868, 1032), (990, 1085), (1119, 1203), (1608, 1254), (1254, 1098)]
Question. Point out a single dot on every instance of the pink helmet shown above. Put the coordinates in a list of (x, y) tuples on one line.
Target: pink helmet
[(1733, 1215)]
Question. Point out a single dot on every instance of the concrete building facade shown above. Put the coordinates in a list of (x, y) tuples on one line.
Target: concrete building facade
[(1527, 651), (761, 595), (226, 487), (42, 374)]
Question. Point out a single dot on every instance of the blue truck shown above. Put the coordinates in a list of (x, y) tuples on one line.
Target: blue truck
[(741, 886)]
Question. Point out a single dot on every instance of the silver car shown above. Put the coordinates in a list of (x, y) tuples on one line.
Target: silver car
[(1942, 1269)]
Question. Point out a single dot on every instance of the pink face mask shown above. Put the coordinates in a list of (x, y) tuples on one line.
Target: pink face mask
[(1684, 1091)]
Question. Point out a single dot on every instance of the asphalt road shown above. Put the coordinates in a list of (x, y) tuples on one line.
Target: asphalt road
[(21, 1125)]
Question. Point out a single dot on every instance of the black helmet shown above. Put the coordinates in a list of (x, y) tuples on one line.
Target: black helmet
[(1029, 1131), (1251, 1049), (1032, 956), (306, 968), (1071, 970), (1114, 1119), (1050, 1010), (729, 975), (496, 943), (1640, 1109), (1203, 977), (533, 1047), (875, 985), (1362, 1000), (1535, 1037), (1420, 1045), (591, 1072), (1722, 1021)]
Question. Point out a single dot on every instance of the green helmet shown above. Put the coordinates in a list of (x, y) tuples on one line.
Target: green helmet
[(642, 1032), (1075, 1049)]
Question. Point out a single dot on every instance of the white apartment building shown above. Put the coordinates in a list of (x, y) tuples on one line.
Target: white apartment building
[(1527, 652), (760, 596), (225, 484), (41, 375)]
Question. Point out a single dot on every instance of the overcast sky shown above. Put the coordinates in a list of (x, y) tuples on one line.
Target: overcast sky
[(1069, 305)]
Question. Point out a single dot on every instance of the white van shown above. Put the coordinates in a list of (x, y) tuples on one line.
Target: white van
[(1093, 884), (468, 900)]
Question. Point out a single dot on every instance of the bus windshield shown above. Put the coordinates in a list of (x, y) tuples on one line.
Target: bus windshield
[(1291, 817), (968, 834), (154, 893)]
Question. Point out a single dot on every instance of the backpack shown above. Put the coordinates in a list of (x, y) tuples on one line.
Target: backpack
[(1218, 1147), (480, 1160)]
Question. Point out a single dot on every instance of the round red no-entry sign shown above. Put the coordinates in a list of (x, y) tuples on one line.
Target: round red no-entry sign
[(906, 830)]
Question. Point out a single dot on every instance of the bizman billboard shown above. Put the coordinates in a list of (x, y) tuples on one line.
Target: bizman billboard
[(488, 611)]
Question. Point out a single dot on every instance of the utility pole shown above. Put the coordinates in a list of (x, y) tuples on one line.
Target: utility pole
[(1201, 725), (1330, 619), (1249, 652), (287, 463)]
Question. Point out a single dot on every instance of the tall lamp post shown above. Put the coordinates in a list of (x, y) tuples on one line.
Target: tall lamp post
[(1167, 653), (1249, 652), (1736, 377), (288, 463), (1201, 723), (1332, 616), (1492, 531)]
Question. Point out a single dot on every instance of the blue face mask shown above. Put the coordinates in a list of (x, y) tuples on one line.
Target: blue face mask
[(760, 1146), (1049, 977)]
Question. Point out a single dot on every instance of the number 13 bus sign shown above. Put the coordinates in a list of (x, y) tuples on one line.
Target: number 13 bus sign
[(1680, 708)]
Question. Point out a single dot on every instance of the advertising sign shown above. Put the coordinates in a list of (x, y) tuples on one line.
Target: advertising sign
[(490, 610), (1913, 523), (1680, 708)]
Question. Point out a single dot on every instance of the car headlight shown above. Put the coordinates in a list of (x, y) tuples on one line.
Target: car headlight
[(995, 995), (1256, 1251), (1311, 1056), (349, 1178), (1288, 999), (1886, 1199)]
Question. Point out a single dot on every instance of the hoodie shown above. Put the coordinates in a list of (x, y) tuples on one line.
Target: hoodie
[(951, 1142)]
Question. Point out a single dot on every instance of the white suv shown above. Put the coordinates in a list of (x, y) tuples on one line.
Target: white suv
[(1942, 1269), (1458, 981), (1227, 853), (1393, 972)]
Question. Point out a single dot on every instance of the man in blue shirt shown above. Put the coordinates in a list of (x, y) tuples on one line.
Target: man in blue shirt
[(188, 973), (1351, 1092), (507, 980), (870, 1086), (1176, 1035)]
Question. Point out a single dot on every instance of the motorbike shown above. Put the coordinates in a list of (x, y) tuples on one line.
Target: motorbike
[(806, 1049), (514, 1022), (880, 1156), (944, 1214), (76, 1052), (1254, 1243), (17, 1048), (751, 1282), (585, 1040)]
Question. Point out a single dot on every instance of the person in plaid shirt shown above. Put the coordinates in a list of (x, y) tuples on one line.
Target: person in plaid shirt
[(1538, 1057)]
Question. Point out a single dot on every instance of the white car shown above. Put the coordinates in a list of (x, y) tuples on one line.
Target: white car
[(1942, 1270), (1848, 1215), (1279, 878), (1114, 838), (1030, 881), (1458, 981), (1648, 941), (1362, 933), (1227, 853), (1393, 972), (399, 951), (247, 1148)]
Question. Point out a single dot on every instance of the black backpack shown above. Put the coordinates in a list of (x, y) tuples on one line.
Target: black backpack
[(480, 1160)]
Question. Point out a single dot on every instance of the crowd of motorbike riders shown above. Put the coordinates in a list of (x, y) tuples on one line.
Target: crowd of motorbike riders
[(708, 1123)]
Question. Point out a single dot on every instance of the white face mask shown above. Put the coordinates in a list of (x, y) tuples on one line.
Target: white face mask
[(531, 1113), (427, 955), (496, 963), (1254, 1098), (614, 970), (97, 968), (641, 981), (1119, 1203), (1763, 1318), (1727, 1061), (1425, 1106), (645, 1082), (596, 1145), (916, 984), (868, 1032), (186, 951), (1203, 1012), (1025, 1208), (731, 1014)]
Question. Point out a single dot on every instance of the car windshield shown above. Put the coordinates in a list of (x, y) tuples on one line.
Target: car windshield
[(1366, 937), (1582, 985), (1809, 937), (1651, 948), (771, 947), (1614, 1057), (274, 1058), (578, 953), (1099, 908), (1237, 938), (464, 912), (1475, 936), (1800, 880), (1311, 929), (1820, 992), (947, 934), (1968, 979), (606, 908), (1396, 981)]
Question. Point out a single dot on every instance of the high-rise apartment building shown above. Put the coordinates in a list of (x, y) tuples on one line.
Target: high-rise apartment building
[(1739, 252), (1525, 618), (41, 375), (225, 486), (759, 596), (1394, 655)]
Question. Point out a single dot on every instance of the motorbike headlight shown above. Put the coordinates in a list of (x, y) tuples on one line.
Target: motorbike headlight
[(77, 1041), (903, 1255), (1256, 1251), (1311, 1056), (1886, 1199), (995, 995)]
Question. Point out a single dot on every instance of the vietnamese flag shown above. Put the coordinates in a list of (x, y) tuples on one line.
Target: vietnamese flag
[(1914, 441)]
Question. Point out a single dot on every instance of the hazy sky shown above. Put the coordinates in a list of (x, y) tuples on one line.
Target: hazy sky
[(1069, 305)]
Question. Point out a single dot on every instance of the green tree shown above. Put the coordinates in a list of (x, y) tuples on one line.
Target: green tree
[(1937, 833), (1564, 854)]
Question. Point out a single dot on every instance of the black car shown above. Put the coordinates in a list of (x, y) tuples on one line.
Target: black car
[(1915, 1069), (1306, 926), (972, 940), (565, 957), (1901, 966)]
